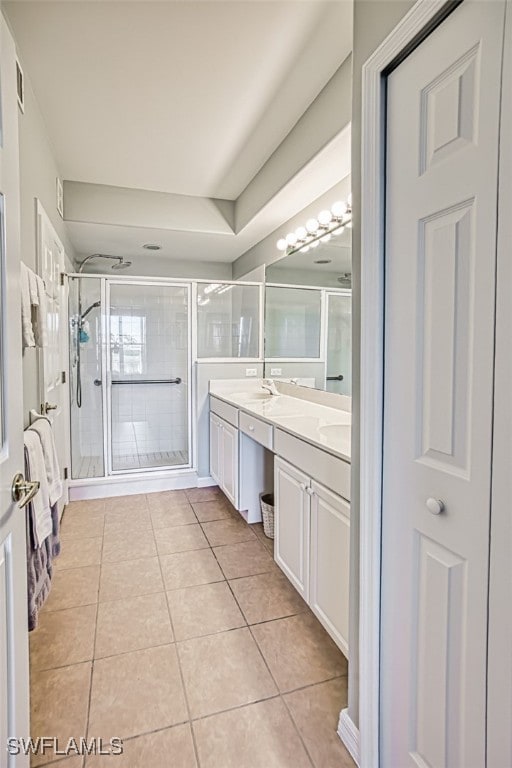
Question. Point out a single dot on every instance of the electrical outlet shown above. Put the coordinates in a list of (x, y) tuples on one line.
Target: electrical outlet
[(276, 371), (250, 371)]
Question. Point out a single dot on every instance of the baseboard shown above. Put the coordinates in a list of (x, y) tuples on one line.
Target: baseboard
[(349, 735), (205, 482)]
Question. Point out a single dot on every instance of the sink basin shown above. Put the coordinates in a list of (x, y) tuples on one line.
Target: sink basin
[(332, 431), (251, 397)]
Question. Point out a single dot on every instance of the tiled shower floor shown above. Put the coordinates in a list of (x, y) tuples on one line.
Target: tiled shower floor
[(170, 626), (92, 466)]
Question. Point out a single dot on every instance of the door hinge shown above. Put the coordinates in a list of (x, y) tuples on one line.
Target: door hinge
[(62, 278), (63, 377), (66, 473)]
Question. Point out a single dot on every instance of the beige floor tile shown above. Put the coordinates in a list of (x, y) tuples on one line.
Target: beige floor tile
[(180, 538), (267, 596), (135, 693), (76, 761), (123, 504), (258, 736), (133, 523), (203, 610), (260, 533), (189, 569), (204, 494), (167, 517), (76, 553), (166, 499), (132, 624), (172, 748), (246, 559), (82, 526), (299, 651), (85, 507), (63, 638), (128, 546), (59, 702), (223, 671), (72, 587), (232, 531), (218, 509), (130, 578), (316, 711)]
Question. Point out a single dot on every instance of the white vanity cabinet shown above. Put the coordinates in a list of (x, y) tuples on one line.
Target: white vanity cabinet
[(224, 456), (292, 524), (312, 546)]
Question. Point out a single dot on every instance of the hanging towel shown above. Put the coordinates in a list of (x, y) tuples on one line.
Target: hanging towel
[(26, 308), (41, 524), (51, 461), (34, 296), (40, 314)]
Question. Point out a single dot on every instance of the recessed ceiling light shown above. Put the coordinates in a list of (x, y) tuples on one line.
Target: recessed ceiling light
[(152, 247), (323, 261)]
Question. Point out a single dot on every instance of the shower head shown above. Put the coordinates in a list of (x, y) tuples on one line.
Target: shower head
[(89, 309), (121, 264)]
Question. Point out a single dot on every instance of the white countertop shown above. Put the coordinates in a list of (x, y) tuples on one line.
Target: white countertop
[(322, 426)]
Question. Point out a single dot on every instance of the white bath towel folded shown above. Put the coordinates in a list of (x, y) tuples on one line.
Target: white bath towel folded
[(26, 308), (40, 314), (34, 294), (42, 516), (51, 461)]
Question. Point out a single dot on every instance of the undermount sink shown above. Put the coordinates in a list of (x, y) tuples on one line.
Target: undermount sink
[(332, 430), (252, 397)]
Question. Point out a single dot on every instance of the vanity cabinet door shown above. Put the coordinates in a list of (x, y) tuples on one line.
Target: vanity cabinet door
[(229, 462), (291, 524), (330, 561), (215, 440)]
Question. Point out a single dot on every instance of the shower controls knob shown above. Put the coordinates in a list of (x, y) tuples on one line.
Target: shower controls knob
[(436, 506)]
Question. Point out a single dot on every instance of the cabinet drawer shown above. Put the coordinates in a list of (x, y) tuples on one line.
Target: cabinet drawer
[(332, 472), (258, 430), (227, 412)]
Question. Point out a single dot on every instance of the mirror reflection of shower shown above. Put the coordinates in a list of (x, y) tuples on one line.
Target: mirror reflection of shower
[(80, 324)]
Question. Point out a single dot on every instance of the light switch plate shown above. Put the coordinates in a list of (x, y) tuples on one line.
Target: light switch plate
[(250, 371), (276, 371)]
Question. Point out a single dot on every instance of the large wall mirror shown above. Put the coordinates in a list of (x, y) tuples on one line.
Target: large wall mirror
[(308, 311)]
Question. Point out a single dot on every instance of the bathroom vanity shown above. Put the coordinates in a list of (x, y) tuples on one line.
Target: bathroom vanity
[(299, 448)]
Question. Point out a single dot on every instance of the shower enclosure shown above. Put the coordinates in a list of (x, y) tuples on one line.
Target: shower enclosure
[(130, 363)]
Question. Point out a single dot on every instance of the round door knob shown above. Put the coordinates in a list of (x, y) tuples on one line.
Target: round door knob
[(436, 506)]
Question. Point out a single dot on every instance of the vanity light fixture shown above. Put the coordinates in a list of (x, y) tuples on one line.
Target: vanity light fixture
[(328, 223)]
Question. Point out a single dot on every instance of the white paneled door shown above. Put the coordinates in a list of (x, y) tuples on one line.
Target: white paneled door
[(14, 689), (442, 160)]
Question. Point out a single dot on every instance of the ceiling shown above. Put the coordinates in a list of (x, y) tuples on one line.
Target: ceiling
[(207, 90)]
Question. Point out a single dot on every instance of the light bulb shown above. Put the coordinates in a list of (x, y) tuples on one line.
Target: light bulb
[(282, 244), (291, 238), (348, 225), (315, 243), (324, 217), (325, 238), (312, 225), (339, 209), (301, 233)]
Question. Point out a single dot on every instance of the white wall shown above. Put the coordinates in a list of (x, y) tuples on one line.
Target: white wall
[(160, 266), (38, 174)]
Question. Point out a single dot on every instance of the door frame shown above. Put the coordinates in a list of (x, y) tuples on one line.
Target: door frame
[(415, 26)]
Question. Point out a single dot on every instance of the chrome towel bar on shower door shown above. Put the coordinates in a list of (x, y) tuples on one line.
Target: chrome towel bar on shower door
[(147, 381)]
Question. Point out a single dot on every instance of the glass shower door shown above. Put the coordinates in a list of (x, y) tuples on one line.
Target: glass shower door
[(149, 365), (339, 343)]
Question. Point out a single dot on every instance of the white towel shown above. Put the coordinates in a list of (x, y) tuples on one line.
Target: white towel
[(34, 294), (51, 460), (26, 309), (40, 314), (42, 516)]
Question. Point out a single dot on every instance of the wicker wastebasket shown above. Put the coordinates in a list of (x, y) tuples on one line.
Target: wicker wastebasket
[(267, 513)]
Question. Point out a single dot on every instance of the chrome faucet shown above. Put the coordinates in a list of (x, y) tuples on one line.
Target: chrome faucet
[(270, 386)]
